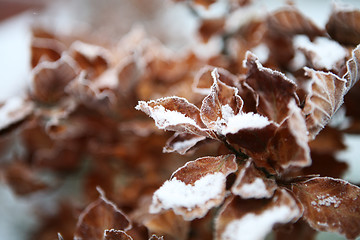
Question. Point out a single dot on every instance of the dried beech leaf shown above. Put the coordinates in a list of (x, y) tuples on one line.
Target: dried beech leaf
[(290, 21), (297, 231), (222, 103), (251, 132), (98, 217), (50, 78), (343, 25), (45, 49), (325, 97), (254, 218), (14, 110), (352, 75), (196, 187), (113, 234), (330, 205), (175, 114), (154, 237), (274, 89), (252, 183), (182, 142), (210, 27), (289, 147)]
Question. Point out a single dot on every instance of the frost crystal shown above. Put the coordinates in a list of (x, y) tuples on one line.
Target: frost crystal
[(245, 120)]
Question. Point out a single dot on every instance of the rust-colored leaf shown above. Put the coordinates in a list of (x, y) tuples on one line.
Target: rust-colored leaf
[(343, 25), (210, 27), (290, 21), (98, 217), (196, 187), (289, 147), (182, 142), (252, 183), (255, 218), (273, 88), (330, 205), (325, 97), (352, 75), (175, 114), (50, 78), (222, 103)]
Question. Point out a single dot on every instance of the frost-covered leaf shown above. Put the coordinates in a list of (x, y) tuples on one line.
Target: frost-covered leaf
[(253, 219), (274, 89), (251, 132), (290, 21), (45, 49), (50, 78), (221, 104), (352, 75), (330, 205), (182, 142), (295, 231), (252, 183), (318, 54), (14, 110), (343, 25), (154, 237), (326, 96), (98, 217), (289, 147), (175, 114), (112, 234), (196, 187)]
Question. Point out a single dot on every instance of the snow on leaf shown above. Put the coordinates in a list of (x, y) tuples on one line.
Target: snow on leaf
[(14, 110), (326, 96), (317, 52), (273, 88), (175, 114), (196, 187), (330, 205), (352, 75), (289, 147), (343, 25), (253, 219), (222, 103), (112, 234), (290, 21), (251, 183), (99, 216), (50, 78), (182, 142)]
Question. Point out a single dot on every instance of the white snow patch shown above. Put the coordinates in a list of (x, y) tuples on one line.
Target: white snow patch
[(185, 145), (256, 227), (245, 120), (323, 56), (14, 109), (351, 157), (262, 52), (90, 51), (175, 193), (256, 189)]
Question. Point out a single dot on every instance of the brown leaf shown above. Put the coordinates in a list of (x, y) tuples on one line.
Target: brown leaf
[(252, 183), (154, 237), (182, 142), (342, 25), (221, 104), (255, 218), (273, 88), (113, 234), (210, 27), (290, 21), (329, 140), (196, 187), (14, 110), (50, 78), (330, 205), (297, 231), (289, 147), (45, 49), (352, 75), (98, 217), (175, 114), (325, 97)]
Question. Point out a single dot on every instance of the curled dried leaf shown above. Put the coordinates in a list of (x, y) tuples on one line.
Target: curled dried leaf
[(342, 25), (99, 216), (252, 183), (325, 98), (273, 88), (175, 114), (182, 142), (240, 219), (352, 75), (112, 234), (196, 187), (330, 205), (210, 27)]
